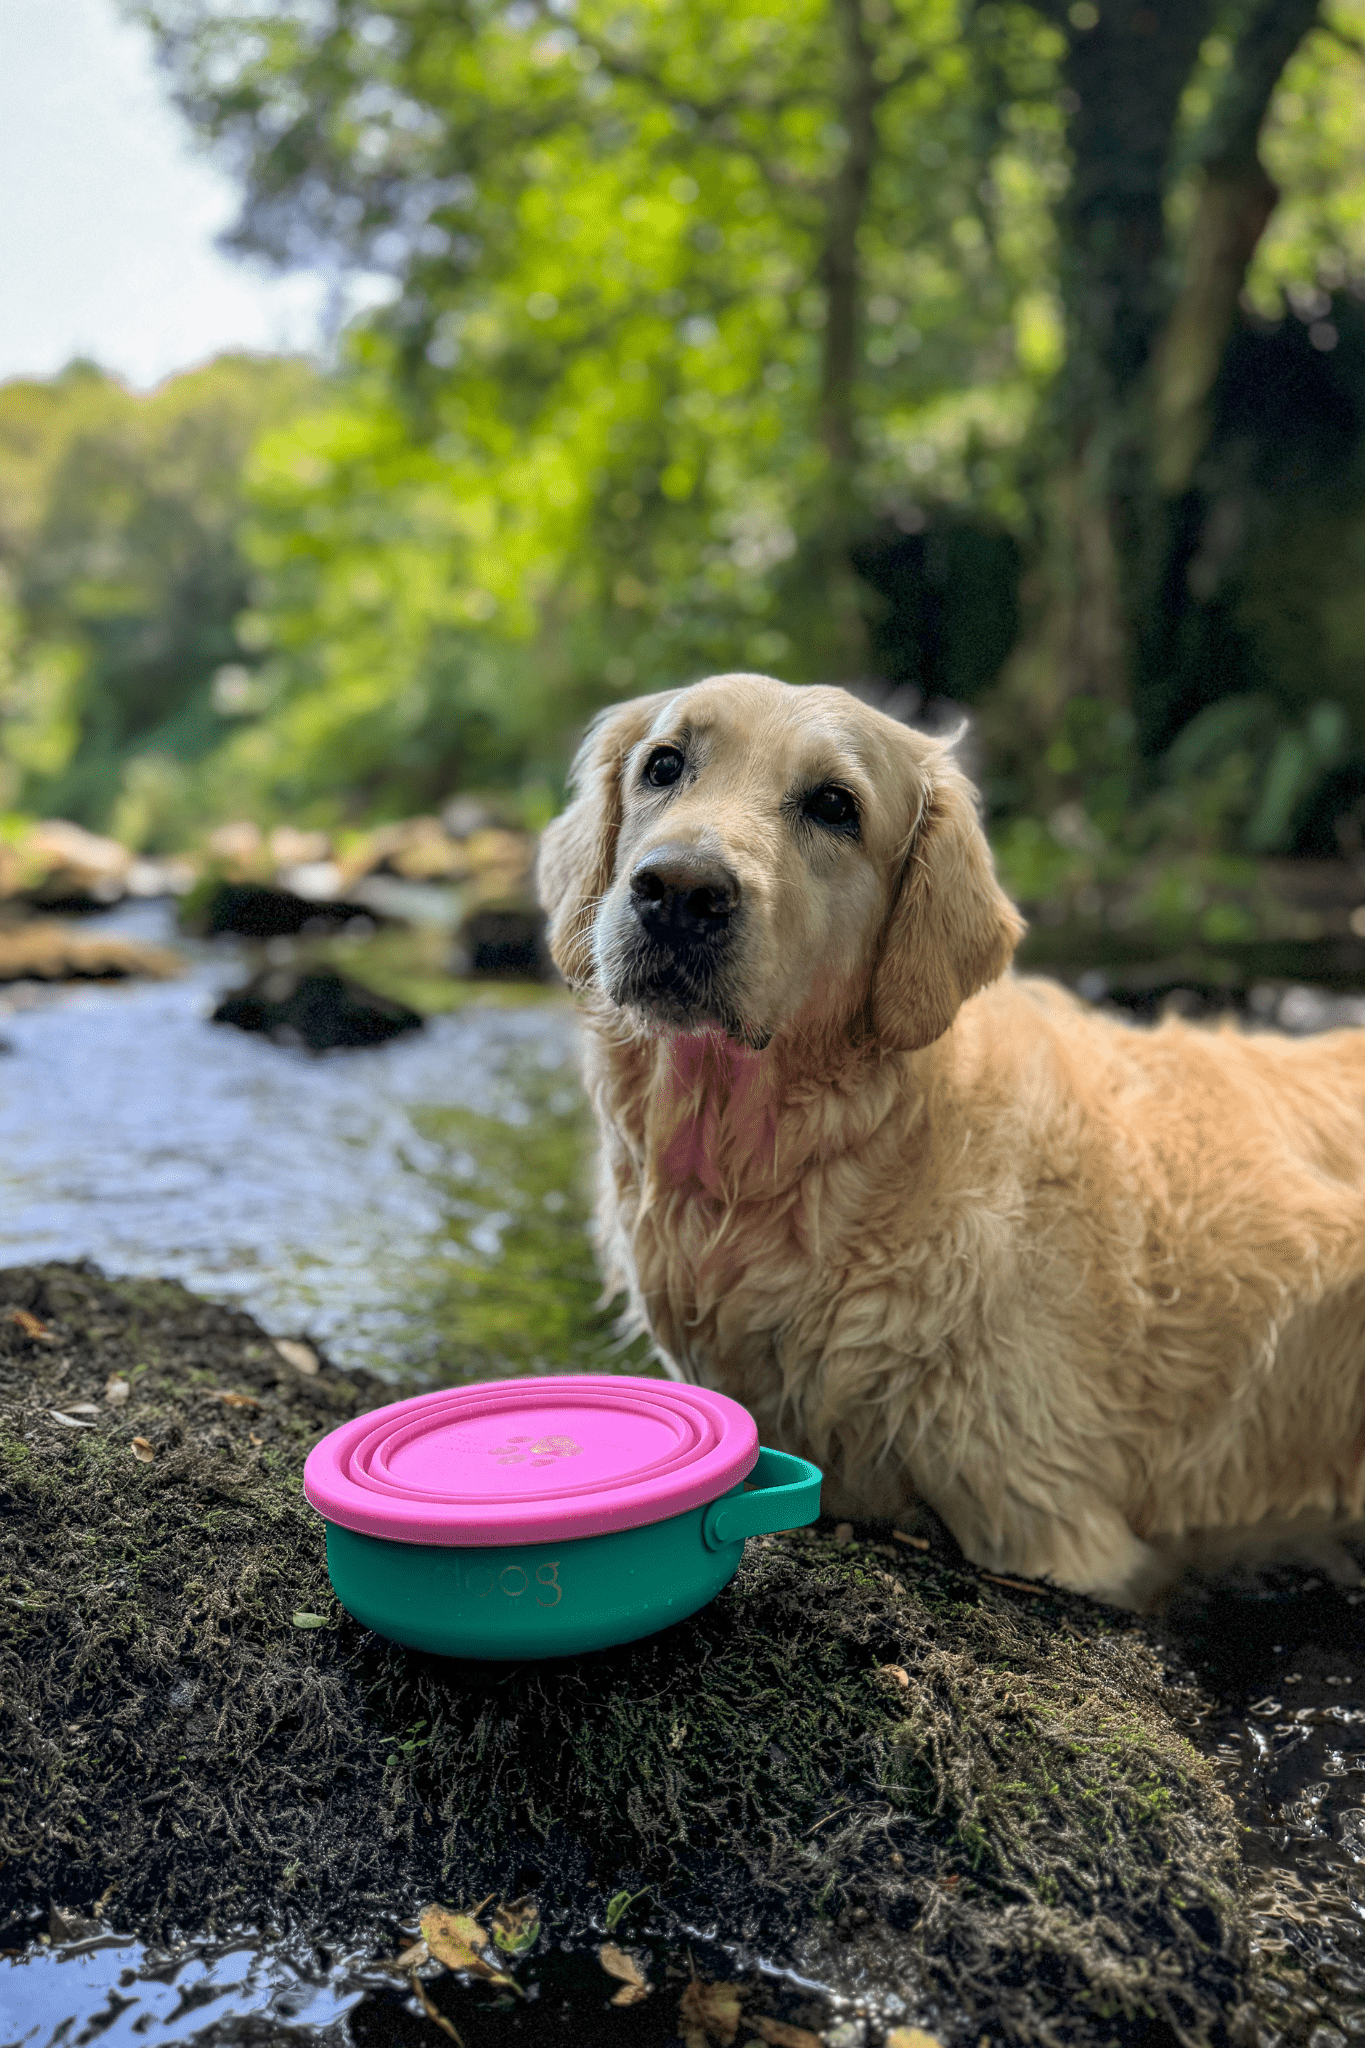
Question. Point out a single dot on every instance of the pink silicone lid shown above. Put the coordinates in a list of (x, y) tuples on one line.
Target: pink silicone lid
[(532, 1460)]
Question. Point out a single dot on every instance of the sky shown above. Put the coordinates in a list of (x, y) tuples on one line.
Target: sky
[(110, 212)]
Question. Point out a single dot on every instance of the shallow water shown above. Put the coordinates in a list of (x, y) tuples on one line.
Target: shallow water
[(401, 1204), (420, 1207), (286, 1992), (1283, 1654), (125, 1995)]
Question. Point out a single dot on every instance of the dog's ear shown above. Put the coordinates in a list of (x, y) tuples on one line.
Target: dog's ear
[(578, 850), (951, 927)]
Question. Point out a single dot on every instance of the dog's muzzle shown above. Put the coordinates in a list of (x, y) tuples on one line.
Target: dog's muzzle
[(675, 936)]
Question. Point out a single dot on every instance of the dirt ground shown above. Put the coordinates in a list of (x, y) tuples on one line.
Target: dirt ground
[(969, 1788)]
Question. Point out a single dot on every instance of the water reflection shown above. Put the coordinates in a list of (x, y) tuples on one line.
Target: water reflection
[(244, 1990), (130, 1996)]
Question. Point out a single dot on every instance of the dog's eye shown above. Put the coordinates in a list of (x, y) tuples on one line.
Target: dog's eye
[(830, 805), (664, 765)]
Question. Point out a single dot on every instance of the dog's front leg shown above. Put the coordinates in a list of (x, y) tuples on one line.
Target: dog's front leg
[(1079, 1540)]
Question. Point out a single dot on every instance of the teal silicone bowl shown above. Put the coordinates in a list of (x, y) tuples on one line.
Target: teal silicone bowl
[(541, 1518), (531, 1600)]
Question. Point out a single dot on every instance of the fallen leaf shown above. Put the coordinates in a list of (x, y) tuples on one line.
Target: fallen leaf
[(710, 2012), (1014, 1585), (896, 1674), (31, 1326), (142, 1450), (516, 1926), (71, 1421), (117, 1390), (782, 2034), (232, 1400), (617, 1963), (305, 1620), (301, 1356), (916, 1543), (912, 2037), (432, 2011), (458, 1941)]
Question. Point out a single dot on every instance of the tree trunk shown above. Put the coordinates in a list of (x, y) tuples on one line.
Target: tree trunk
[(1123, 80), (1132, 407), (840, 273), (1235, 203), (1236, 200)]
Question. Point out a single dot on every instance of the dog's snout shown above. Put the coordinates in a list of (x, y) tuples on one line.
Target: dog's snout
[(682, 894)]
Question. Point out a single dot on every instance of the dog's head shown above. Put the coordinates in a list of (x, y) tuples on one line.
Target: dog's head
[(745, 855)]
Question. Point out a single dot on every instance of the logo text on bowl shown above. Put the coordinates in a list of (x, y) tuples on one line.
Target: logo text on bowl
[(540, 1450)]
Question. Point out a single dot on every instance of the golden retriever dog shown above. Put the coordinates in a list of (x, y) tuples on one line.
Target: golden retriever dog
[(1094, 1292)]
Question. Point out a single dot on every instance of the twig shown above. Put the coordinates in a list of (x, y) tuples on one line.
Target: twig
[(438, 2018)]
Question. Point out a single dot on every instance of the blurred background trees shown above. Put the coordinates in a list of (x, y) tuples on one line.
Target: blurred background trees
[(1014, 354), (123, 584)]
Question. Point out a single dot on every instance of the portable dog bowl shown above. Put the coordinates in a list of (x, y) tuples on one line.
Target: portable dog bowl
[(541, 1517)]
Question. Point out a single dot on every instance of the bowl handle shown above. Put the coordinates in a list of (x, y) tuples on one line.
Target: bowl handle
[(784, 1493)]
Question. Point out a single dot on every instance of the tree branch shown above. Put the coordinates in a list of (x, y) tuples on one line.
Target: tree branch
[(1355, 44), (1271, 32), (1236, 201)]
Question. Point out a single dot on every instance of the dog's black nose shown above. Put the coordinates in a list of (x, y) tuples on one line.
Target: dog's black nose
[(682, 895)]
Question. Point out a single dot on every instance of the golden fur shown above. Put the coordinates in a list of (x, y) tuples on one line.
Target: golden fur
[(1094, 1292)]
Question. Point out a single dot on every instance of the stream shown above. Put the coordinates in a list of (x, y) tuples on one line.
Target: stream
[(420, 1209), (384, 1202)]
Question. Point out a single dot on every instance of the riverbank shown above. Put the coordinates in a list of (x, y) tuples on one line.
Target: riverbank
[(976, 1803)]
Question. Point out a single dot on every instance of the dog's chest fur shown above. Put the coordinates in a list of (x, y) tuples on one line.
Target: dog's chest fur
[(755, 1234)]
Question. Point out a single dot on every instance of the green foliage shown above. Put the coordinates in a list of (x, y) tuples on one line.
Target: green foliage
[(693, 305), (1314, 148), (1252, 770), (121, 579), (603, 435)]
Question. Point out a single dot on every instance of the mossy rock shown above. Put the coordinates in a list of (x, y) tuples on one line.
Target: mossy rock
[(862, 1751)]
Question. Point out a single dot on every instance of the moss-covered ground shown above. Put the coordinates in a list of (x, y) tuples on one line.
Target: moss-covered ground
[(982, 1793)]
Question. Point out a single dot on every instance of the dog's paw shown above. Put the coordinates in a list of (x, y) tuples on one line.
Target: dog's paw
[(1086, 1548)]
